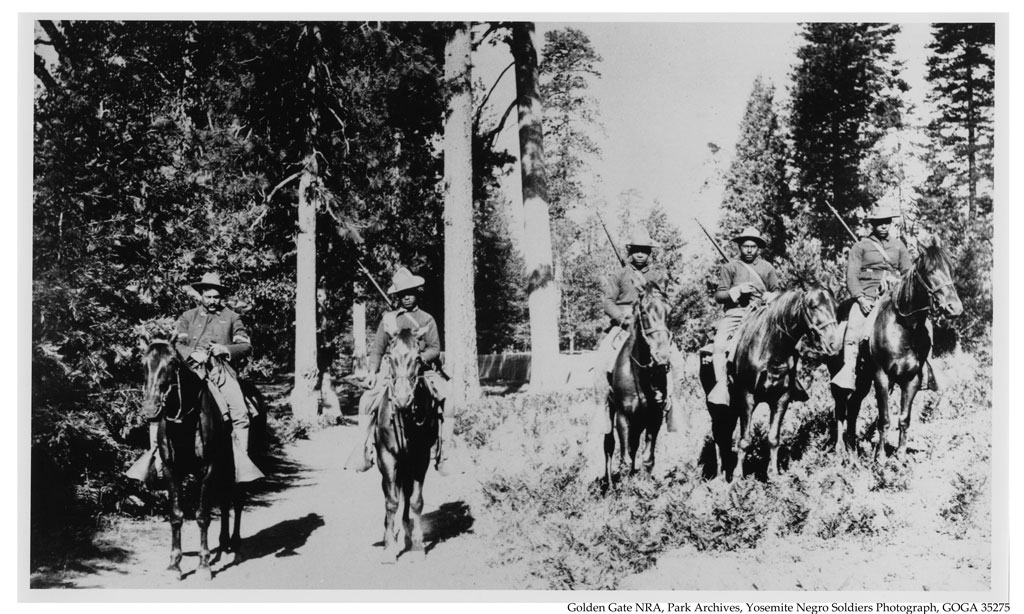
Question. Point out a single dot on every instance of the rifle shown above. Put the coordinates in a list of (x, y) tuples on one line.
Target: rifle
[(841, 221), (707, 234), (373, 281), (622, 261)]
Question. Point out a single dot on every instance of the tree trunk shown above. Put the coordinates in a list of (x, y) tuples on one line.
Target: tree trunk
[(304, 398), (459, 304), (540, 285)]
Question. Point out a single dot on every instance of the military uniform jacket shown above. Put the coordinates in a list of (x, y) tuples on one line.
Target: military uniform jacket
[(621, 289), (430, 342), (735, 272), (866, 266), (197, 328)]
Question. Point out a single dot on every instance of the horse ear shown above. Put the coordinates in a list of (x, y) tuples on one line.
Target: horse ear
[(927, 239)]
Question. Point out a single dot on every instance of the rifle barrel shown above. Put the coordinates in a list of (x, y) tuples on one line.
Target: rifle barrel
[(373, 281), (707, 234)]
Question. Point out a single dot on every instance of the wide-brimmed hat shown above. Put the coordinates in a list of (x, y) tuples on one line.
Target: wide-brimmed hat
[(404, 280), (642, 238), (880, 212), (209, 280), (750, 233)]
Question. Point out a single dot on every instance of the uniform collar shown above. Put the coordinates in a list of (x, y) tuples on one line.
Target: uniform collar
[(402, 310), (642, 269), (752, 262)]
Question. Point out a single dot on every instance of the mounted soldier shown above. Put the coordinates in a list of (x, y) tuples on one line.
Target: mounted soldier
[(407, 290), (213, 340), (622, 290), (874, 264), (744, 283)]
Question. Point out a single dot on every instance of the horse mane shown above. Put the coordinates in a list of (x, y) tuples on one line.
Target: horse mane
[(769, 321), (930, 258)]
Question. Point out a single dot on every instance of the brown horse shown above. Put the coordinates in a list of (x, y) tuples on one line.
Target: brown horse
[(636, 401), (763, 368), (192, 438), (896, 348), (407, 424)]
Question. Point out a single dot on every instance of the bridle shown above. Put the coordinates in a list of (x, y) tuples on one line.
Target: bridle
[(932, 294), (646, 333), (181, 415), (818, 329)]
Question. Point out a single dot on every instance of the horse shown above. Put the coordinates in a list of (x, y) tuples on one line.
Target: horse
[(763, 368), (636, 400), (193, 438), (896, 347), (406, 429)]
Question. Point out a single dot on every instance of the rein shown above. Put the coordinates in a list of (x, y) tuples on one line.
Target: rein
[(932, 292), (646, 334)]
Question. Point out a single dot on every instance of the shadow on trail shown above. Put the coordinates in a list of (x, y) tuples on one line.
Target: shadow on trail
[(448, 521), (280, 540), (88, 559)]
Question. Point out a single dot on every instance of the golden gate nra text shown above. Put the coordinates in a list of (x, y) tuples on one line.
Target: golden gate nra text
[(774, 608)]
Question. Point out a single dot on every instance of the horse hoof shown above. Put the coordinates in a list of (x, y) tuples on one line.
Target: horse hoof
[(204, 574), (175, 573), (389, 557)]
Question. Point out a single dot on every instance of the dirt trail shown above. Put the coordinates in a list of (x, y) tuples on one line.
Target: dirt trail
[(314, 526)]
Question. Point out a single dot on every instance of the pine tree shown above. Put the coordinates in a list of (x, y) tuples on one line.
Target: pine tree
[(756, 188), (961, 71), (846, 95)]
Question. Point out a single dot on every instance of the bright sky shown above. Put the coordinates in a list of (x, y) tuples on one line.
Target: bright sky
[(670, 88)]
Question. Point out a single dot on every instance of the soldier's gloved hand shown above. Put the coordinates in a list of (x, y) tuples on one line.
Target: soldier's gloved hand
[(734, 293), (865, 304), (747, 288), (199, 356), (371, 380), (217, 349)]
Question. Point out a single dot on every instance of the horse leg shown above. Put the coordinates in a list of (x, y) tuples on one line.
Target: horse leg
[(778, 411), (634, 446), (882, 397), (236, 533), (909, 388), (651, 439), (203, 520), (389, 483), (723, 425), (853, 403), (609, 454), (414, 513), (745, 406), (177, 517)]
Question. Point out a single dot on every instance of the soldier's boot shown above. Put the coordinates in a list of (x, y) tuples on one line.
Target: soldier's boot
[(845, 377), (930, 379), (148, 467), (670, 402), (245, 469), (364, 456), (719, 395)]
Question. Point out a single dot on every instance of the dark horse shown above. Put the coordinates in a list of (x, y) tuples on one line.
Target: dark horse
[(407, 423), (636, 401), (896, 347), (763, 368), (192, 438)]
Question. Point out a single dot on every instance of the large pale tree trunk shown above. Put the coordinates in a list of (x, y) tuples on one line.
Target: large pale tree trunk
[(304, 399), (540, 284), (459, 304)]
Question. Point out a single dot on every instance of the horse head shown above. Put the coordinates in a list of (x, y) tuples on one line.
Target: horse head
[(934, 271), (650, 317), (160, 364), (819, 306), (404, 360)]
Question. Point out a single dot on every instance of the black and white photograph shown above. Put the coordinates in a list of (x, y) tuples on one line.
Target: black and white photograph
[(522, 305)]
